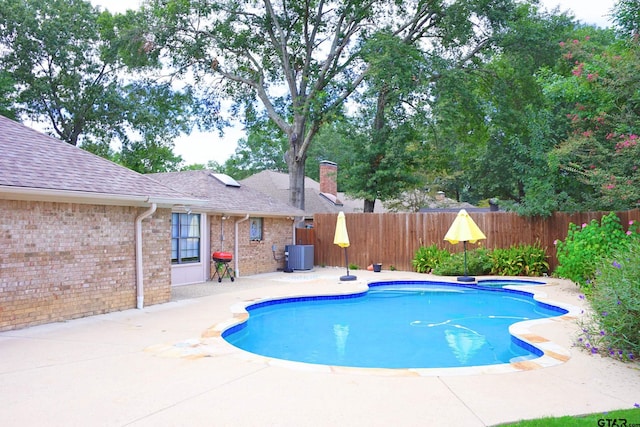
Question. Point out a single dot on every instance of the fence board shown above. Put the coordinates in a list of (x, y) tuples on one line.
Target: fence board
[(393, 238)]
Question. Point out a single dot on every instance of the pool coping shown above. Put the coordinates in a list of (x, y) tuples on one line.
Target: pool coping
[(212, 343)]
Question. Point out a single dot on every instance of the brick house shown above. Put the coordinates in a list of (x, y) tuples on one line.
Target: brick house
[(79, 235), (236, 218)]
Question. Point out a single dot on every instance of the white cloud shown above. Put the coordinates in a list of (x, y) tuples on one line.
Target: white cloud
[(116, 6), (587, 11), (201, 147)]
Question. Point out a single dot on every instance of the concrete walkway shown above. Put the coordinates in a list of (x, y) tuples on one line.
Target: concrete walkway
[(165, 365)]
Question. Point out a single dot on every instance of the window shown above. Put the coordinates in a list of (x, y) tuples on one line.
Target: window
[(185, 238), (255, 230)]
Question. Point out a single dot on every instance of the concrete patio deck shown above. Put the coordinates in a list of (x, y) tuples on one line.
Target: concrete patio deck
[(165, 365)]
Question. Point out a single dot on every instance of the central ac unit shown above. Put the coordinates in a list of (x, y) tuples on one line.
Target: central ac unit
[(300, 257)]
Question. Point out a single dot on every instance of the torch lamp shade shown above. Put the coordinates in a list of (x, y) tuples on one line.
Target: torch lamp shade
[(464, 229), (341, 238)]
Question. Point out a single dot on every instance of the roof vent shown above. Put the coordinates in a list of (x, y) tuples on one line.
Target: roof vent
[(225, 179)]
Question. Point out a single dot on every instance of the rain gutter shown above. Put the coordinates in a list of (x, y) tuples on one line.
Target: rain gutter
[(294, 226), (235, 249), (139, 263)]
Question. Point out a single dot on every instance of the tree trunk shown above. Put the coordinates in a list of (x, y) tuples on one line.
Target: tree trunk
[(379, 120), (296, 159), (296, 181), (369, 205), (378, 126)]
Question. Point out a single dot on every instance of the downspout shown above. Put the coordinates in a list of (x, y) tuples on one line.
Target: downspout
[(235, 249), (139, 269), (293, 231)]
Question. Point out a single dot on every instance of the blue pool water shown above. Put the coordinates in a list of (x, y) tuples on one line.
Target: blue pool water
[(499, 283), (401, 324)]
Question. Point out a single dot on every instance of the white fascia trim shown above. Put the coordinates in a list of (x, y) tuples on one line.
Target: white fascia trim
[(254, 214), (66, 196)]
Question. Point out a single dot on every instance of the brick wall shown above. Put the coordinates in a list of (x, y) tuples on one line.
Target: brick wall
[(60, 261), (329, 178), (156, 255), (253, 257)]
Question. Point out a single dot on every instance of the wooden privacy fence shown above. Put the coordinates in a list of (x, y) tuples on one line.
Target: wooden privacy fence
[(393, 238)]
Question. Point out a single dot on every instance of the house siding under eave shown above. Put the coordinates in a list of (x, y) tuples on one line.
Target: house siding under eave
[(68, 232), (226, 219)]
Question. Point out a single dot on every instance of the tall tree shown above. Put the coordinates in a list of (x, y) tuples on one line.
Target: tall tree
[(514, 164), (388, 122), (304, 54), (403, 67), (67, 62), (491, 115), (626, 15), (595, 88)]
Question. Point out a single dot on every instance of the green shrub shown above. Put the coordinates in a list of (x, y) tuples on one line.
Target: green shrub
[(535, 260), (613, 329), (521, 260), (478, 263), (588, 245), (429, 257), (354, 266)]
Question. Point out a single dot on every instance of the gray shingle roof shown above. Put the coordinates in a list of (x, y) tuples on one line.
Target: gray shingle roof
[(225, 199), (30, 160), (276, 184)]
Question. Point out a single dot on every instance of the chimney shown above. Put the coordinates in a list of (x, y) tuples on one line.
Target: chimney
[(329, 178)]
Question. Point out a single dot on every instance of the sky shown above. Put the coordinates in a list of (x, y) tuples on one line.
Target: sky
[(202, 147)]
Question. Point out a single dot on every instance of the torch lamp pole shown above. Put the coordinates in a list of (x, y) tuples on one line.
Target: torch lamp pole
[(466, 277), (348, 277)]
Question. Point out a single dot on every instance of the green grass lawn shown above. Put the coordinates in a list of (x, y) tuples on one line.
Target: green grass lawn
[(621, 418)]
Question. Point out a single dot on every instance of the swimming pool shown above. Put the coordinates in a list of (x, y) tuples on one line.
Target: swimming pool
[(501, 283), (399, 324)]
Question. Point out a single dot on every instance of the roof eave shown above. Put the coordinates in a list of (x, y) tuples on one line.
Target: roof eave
[(67, 196), (232, 212)]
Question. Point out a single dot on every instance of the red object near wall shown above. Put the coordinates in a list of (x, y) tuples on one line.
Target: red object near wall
[(222, 256)]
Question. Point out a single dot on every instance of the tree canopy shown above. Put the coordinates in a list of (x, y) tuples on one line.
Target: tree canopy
[(69, 66), (493, 126), (518, 121), (480, 99), (306, 56), (595, 87), (626, 15)]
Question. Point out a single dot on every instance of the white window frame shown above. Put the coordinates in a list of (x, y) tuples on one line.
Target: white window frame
[(255, 229), (186, 238)]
